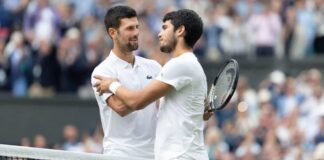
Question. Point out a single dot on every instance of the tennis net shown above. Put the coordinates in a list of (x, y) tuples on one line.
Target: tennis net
[(11, 152)]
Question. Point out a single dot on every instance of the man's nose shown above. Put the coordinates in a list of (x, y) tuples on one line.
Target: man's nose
[(136, 32)]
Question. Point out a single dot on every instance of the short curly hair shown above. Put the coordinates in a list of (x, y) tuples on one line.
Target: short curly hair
[(190, 20)]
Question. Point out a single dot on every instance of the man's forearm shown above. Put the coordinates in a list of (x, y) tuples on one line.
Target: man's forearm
[(132, 99), (140, 99), (118, 106)]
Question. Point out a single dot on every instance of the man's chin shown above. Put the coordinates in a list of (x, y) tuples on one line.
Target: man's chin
[(133, 47), (165, 49)]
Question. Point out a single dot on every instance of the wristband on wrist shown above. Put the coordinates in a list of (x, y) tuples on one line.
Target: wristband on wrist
[(114, 86)]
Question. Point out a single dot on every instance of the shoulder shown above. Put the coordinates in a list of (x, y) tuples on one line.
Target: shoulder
[(101, 67), (105, 68), (181, 63)]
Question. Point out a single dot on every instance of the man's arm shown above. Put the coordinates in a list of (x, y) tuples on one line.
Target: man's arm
[(139, 99), (135, 100), (118, 106)]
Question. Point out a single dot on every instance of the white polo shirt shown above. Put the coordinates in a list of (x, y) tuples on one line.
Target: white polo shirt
[(179, 133), (133, 135)]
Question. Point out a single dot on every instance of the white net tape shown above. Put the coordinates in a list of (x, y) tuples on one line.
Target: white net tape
[(50, 154)]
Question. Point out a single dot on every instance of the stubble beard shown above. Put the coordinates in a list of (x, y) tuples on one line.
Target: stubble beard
[(168, 48)]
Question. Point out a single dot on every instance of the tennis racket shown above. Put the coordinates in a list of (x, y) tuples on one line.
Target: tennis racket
[(224, 85)]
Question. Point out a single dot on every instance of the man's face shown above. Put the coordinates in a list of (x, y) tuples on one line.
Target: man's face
[(167, 37), (128, 34)]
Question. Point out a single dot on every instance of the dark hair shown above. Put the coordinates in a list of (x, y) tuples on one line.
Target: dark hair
[(190, 20), (115, 14)]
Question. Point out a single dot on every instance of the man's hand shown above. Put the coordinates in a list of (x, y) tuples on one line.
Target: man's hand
[(103, 83), (208, 111)]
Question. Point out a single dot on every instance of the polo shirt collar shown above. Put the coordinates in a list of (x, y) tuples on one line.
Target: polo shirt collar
[(121, 62)]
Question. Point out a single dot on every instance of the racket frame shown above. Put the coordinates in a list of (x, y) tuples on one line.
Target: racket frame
[(232, 89)]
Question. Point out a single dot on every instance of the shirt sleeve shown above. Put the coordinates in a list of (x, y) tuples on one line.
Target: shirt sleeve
[(105, 95), (175, 73)]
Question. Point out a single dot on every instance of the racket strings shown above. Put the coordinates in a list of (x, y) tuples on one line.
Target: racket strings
[(223, 85)]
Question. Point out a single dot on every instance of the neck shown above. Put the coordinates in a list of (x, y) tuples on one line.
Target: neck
[(181, 49), (126, 56)]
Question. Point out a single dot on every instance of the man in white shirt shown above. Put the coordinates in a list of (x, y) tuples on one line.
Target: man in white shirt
[(183, 86), (127, 134)]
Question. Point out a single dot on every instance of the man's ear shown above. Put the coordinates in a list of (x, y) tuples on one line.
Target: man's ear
[(181, 31), (112, 32)]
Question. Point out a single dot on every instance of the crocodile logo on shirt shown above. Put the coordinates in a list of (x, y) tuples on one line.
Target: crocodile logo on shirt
[(148, 77)]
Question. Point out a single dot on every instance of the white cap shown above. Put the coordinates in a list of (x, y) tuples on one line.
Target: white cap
[(277, 77), (73, 33)]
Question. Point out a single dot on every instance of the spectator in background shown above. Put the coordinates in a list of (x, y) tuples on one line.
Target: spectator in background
[(222, 22), (248, 149), (24, 141), (299, 30), (217, 148), (266, 28), (92, 141), (212, 34), (267, 120), (19, 60), (310, 113), (305, 20), (83, 9), (70, 139), (236, 34), (296, 150), (289, 99), (246, 98), (271, 148), (92, 37), (40, 141), (17, 9), (101, 6), (290, 34), (246, 8), (90, 28), (231, 136), (45, 70), (70, 56), (313, 80), (41, 21), (66, 12), (294, 36), (92, 57)]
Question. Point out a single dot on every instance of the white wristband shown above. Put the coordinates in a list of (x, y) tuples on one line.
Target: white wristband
[(114, 86)]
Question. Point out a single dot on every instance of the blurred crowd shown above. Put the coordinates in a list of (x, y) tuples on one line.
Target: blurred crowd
[(71, 140), (283, 119), (52, 46)]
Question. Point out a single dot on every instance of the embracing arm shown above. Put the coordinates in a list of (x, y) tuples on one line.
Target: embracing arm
[(135, 100), (139, 99), (118, 106)]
